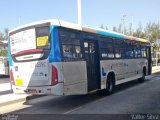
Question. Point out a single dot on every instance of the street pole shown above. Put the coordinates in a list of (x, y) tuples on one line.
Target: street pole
[(123, 23), (132, 26), (79, 12)]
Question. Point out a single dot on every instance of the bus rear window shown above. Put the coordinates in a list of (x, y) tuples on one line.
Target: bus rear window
[(42, 37), (30, 38), (23, 40)]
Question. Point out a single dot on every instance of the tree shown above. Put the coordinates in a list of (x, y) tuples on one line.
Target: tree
[(139, 32), (120, 28), (152, 32), (4, 53), (6, 30), (114, 29), (130, 30), (104, 27), (1, 36)]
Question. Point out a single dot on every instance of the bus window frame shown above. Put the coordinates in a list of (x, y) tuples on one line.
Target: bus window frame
[(46, 51), (60, 29)]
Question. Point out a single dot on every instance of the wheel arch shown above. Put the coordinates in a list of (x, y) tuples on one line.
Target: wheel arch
[(111, 74), (144, 70)]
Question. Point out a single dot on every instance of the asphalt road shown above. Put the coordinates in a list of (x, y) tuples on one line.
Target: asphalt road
[(129, 98)]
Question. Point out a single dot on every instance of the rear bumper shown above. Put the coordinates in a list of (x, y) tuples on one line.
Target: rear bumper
[(39, 90)]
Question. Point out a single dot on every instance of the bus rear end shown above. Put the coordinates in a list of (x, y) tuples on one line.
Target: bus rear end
[(30, 70)]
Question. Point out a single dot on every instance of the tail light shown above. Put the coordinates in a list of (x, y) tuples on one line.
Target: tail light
[(54, 75), (12, 77)]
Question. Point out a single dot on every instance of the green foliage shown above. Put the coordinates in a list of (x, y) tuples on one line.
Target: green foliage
[(4, 36), (104, 27), (3, 53)]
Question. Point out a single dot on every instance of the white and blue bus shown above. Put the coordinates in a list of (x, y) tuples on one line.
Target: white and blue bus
[(61, 58)]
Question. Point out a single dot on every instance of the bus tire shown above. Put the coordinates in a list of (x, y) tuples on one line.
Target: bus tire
[(142, 79), (110, 85)]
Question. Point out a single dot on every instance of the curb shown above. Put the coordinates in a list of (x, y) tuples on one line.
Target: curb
[(23, 99), (12, 102), (156, 71)]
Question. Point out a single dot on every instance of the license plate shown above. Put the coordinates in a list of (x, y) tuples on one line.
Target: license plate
[(19, 82), (32, 91)]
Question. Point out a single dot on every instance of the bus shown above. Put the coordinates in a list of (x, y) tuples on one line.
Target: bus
[(155, 58), (62, 58), (4, 66)]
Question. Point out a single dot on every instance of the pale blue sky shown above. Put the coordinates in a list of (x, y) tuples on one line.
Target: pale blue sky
[(94, 12)]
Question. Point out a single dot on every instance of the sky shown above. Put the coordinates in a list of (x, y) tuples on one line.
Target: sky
[(94, 12)]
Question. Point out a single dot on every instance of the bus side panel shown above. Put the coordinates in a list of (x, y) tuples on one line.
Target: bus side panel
[(126, 70), (134, 67), (116, 66), (75, 77)]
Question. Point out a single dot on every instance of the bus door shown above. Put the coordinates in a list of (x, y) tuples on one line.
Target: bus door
[(93, 64), (149, 60)]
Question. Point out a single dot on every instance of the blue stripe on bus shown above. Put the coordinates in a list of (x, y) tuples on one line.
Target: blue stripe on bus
[(110, 34), (103, 72), (55, 54), (9, 54)]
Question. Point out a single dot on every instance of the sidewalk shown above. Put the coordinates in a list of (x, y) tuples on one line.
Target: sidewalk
[(7, 97), (14, 98), (155, 69)]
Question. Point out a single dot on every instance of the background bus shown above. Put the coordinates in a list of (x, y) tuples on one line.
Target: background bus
[(155, 58), (4, 66), (61, 58)]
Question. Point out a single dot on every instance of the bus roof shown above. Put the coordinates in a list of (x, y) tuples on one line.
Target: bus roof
[(65, 24)]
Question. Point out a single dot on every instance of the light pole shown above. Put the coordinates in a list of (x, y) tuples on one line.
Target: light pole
[(123, 23), (79, 12), (132, 25)]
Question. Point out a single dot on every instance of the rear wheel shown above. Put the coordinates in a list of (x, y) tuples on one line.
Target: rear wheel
[(110, 84), (142, 79)]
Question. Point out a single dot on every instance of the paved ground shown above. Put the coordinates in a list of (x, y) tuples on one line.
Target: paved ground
[(129, 98)]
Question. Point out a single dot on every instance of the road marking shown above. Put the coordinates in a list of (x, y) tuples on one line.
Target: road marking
[(73, 109)]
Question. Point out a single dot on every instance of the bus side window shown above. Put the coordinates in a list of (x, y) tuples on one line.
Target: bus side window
[(137, 51), (70, 42), (67, 52), (71, 53), (106, 48), (77, 53), (129, 52), (143, 51), (119, 48)]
